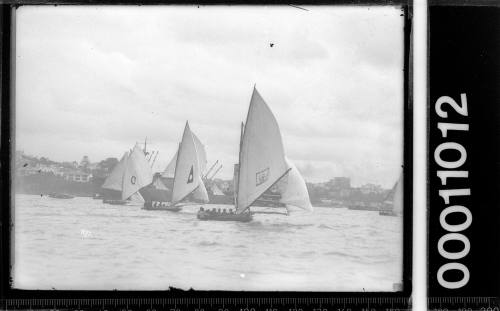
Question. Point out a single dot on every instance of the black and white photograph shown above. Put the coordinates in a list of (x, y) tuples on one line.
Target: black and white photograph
[(233, 148)]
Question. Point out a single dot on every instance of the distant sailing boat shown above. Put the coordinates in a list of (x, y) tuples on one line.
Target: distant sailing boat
[(262, 164), (393, 203), (187, 175), (129, 176)]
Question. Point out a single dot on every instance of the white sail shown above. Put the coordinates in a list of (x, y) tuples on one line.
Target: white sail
[(137, 197), (293, 189), (216, 190), (397, 201), (169, 171), (115, 180), (200, 193), (138, 173), (202, 154), (187, 170), (158, 184), (262, 156)]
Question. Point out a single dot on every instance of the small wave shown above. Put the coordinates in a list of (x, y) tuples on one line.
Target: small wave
[(278, 226), (207, 243), (307, 254), (324, 227), (342, 254)]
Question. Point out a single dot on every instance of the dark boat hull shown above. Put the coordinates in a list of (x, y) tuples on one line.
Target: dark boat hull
[(114, 202), (60, 196), (243, 217), (363, 208), (161, 206), (387, 213)]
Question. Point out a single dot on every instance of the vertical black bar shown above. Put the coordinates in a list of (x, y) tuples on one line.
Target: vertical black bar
[(464, 55), (408, 151), (5, 146)]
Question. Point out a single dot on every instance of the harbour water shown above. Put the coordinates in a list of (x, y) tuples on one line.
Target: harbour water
[(82, 243)]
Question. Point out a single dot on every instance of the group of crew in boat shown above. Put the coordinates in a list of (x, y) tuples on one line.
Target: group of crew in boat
[(217, 211)]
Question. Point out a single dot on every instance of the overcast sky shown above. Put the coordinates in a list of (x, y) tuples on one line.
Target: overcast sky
[(95, 80)]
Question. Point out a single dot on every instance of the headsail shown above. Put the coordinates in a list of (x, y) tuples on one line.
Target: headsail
[(200, 193), (262, 156), (202, 154), (187, 170), (115, 180), (293, 189), (137, 197), (138, 173), (169, 171)]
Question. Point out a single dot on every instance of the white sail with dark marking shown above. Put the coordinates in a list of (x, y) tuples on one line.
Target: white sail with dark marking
[(262, 157), (115, 180), (187, 177), (169, 171), (137, 174)]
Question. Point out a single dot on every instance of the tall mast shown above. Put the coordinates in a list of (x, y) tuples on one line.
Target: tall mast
[(237, 188)]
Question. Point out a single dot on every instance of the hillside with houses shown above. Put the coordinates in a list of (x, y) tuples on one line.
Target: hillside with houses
[(40, 175)]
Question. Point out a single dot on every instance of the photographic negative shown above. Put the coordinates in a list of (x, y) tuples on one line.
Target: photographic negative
[(236, 148)]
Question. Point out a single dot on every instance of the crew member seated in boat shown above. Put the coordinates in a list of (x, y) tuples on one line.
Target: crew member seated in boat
[(218, 211), (213, 210), (201, 209), (231, 212), (223, 211)]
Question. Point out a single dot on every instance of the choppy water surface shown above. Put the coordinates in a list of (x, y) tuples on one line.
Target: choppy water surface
[(82, 243)]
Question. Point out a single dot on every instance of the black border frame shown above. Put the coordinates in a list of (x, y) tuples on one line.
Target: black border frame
[(7, 28)]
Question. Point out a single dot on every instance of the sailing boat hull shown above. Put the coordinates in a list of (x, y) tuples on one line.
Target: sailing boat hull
[(161, 206), (60, 196), (242, 217), (388, 213), (115, 202)]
